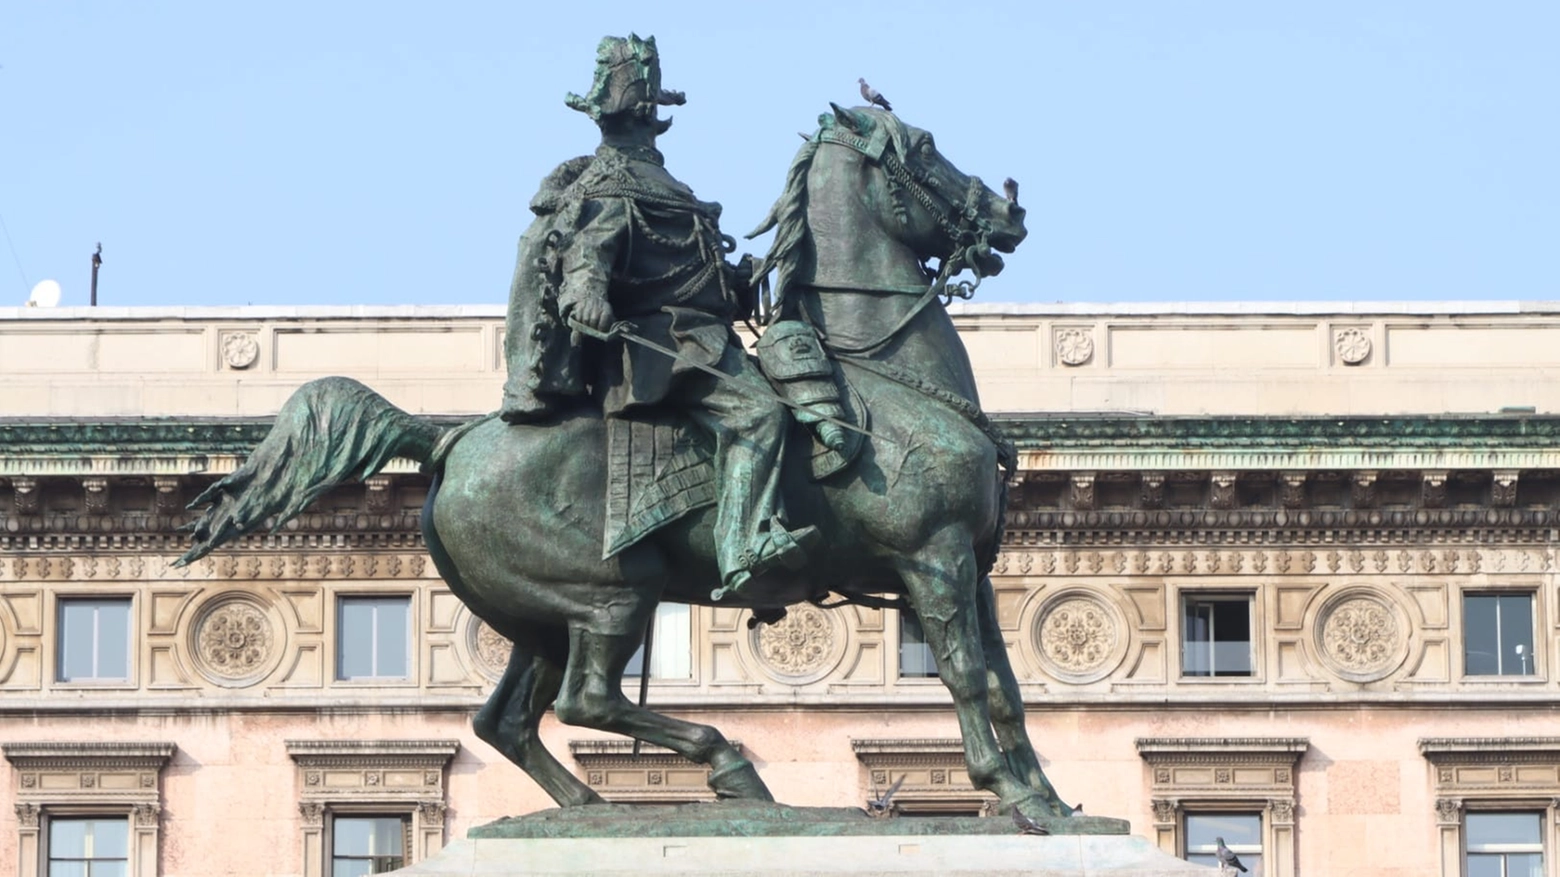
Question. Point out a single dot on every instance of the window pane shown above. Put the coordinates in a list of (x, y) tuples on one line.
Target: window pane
[(113, 630), (1232, 638), (1484, 866), (355, 639), (673, 658), (1481, 644), (67, 869), (77, 619), (915, 656), (387, 837), (68, 839), (1239, 830), (394, 630), (110, 869), (351, 868), (1197, 640), (353, 837), (110, 838), (1516, 634), (1525, 865), (1485, 829)]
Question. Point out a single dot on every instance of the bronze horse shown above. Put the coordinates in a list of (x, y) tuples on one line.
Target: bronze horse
[(515, 518)]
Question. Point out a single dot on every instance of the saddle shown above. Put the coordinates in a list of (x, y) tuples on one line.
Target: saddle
[(661, 466)]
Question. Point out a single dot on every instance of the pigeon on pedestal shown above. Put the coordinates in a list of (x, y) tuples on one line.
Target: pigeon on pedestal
[(1027, 825)]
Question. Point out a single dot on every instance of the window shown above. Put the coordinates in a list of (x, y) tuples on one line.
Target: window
[(89, 847), (370, 806), (1498, 635), (915, 656), (1241, 832), (672, 650), (1505, 844), (87, 809), (94, 640), (363, 845), (1216, 636), (374, 638)]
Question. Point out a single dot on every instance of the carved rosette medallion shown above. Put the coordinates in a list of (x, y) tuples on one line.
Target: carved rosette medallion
[(1074, 346), (489, 648), (1079, 638), (240, 350), (1361, 637), (234, 641), (804, 646), (1352, 345)]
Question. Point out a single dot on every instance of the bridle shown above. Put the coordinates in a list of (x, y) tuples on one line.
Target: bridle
[(969, 231)]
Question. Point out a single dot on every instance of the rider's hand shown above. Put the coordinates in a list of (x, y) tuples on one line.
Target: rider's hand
[(595, 313)]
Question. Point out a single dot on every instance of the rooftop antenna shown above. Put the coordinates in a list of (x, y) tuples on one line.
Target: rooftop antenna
[(45, 295), (97, 262)]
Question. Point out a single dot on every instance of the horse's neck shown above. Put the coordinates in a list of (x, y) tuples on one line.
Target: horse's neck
[(853, 256)]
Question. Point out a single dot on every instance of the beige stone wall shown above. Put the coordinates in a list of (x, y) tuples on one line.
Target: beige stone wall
[(1239, 359)]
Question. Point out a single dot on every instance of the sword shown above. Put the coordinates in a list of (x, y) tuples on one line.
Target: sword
[(625, 330)]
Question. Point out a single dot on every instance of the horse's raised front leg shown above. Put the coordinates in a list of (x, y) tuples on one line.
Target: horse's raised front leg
[(1007, 704), (592, 697), (941, 582), (509, 719)]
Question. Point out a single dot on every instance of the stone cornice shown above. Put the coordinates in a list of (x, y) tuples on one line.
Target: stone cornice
[(1438, 749), (1207, 749), (926, 746), (355, 753), (89, 754)]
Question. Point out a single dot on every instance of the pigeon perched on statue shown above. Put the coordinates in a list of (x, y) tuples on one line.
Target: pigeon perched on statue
[(1010, 189), (1227, 857), (873, 96), (880, 808), (1027, 825)]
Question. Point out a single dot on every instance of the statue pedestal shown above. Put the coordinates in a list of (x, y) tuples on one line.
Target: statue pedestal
[(772, 839)]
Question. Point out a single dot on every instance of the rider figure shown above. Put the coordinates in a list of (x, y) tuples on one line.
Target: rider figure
[(617, 237)]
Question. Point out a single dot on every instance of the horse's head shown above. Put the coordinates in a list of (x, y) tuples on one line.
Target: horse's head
[(933, 206)]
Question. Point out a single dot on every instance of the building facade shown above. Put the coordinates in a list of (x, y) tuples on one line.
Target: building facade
[(1280, 574)]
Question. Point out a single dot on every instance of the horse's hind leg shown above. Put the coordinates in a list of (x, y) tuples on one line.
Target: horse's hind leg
[(941, 582), (508, 721), (1007, 704), (592, 697)]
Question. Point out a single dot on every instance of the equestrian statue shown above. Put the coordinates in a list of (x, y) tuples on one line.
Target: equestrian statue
[(641, 454)]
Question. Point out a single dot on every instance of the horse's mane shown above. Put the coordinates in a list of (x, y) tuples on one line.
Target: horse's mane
[(789, 216), (789, 213)]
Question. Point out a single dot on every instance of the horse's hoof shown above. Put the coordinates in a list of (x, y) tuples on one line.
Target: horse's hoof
[(739, 780)]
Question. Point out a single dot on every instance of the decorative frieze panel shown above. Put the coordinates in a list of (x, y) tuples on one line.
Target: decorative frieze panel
[(1080, 636), (931, 773), (1362, 634), (236, 640), (804, 646), (657, 775)]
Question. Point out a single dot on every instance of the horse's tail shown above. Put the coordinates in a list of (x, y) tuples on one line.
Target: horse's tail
[(329, 431)]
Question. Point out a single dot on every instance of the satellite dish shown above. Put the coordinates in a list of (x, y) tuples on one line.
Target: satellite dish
[(45, 295)]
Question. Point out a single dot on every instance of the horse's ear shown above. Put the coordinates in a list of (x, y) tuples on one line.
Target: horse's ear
[(846, 118)]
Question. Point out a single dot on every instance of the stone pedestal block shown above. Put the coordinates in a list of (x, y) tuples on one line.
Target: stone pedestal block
[(861, 856)]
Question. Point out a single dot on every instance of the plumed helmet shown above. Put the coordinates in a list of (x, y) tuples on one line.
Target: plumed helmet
[(628, 79)]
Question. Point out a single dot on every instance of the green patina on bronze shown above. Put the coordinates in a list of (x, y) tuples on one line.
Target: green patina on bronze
[(1026, 431), (747, 819), (516, 519)]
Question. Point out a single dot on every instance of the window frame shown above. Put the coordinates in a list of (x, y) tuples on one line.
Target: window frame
[(58, 815), (404, 814), (344, 597), (1257, 811), (61, 603), (1482, 808), (1492, 775), (1535, 614), (1186, 596)]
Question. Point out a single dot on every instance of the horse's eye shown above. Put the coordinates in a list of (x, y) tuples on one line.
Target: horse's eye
[(927, 149)]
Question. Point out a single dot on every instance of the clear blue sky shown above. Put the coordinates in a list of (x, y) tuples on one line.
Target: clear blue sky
[(368, 153)]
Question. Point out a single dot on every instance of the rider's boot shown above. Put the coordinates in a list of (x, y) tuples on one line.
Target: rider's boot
[(777, 546)]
